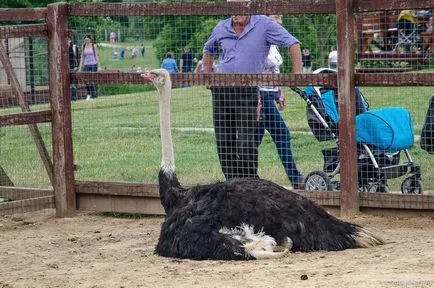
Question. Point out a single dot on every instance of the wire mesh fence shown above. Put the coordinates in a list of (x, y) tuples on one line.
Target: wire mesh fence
[(165, 39), (236, 125)]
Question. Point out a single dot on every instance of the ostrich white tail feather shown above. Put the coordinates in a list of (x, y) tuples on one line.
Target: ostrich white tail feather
[(259, 245)]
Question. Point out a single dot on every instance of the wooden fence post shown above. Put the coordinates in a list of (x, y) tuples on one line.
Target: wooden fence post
[(349, 198), (58, 63)]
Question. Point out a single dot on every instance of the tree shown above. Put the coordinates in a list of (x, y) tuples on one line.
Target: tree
[(192, 31), (25, 3), (316, 32)]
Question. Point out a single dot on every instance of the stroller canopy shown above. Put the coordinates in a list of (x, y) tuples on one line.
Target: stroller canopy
[(387, 129)]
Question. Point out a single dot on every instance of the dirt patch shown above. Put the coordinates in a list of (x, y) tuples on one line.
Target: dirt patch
[(94, 251)]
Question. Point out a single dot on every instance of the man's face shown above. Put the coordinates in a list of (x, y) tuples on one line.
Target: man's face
[(239, 19)]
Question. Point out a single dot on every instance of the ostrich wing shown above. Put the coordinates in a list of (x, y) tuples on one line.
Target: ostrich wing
[(282, 213)]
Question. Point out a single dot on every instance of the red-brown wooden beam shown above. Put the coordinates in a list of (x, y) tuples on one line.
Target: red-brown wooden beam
[(26, 205), (287, 80), (21, 193), (63, 165), (196, 8), (347, 108), (252, 7), (22, 14), (117, 188), (25, 118), (381, 5), (144, 198), (402, 79), (37, 30)]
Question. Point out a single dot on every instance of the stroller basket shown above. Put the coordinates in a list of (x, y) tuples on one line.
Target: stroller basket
[(366, 169), (387, 129), (331, 159)]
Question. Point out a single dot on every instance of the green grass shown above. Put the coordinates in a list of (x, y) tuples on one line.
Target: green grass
[(142, 63), (117, 138), (147, 62)]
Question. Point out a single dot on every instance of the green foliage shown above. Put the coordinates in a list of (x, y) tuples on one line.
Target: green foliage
[(38, 64), (316, 32), (25, 3), (184, 31), (201, 35)]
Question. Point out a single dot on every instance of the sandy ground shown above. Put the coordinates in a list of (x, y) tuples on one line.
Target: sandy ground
[(94, 251)]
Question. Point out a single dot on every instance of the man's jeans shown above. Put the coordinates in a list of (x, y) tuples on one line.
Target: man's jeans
[(272, 122)]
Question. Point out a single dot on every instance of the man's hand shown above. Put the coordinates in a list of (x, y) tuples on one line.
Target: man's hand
[(207, 63), (281, 99)]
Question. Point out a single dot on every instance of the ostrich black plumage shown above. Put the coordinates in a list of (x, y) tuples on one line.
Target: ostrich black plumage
[(201, 222)]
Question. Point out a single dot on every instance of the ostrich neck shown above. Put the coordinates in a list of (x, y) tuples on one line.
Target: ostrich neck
[(168, 161)]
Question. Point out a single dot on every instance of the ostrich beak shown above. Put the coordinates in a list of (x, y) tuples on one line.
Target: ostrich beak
[(148, 76)]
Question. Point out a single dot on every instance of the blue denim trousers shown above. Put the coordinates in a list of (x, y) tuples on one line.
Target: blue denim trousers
[(273, 122), (91, 88)]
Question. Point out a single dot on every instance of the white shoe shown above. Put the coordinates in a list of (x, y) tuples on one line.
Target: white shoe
[(88, 97)]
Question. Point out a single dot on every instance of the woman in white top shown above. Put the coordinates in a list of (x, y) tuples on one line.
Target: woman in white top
[(272, 121)]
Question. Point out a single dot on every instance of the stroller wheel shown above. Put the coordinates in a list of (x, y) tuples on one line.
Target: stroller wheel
[(336, 185), (378, 188), (318, 180), (411, 185)]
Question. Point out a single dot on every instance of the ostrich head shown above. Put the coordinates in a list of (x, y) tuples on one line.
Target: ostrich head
[(159, 77)]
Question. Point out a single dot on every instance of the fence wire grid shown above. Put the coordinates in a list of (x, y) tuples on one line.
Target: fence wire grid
[(228, 129)]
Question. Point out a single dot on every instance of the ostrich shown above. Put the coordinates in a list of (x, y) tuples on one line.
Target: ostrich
[(241, 218)]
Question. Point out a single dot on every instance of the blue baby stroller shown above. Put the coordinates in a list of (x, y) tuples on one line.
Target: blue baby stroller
[(381, 136)]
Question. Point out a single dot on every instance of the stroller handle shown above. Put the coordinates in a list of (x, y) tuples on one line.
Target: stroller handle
[(300, 92)]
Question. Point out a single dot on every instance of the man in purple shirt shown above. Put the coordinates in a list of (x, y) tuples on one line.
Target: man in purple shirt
[(243, 42)]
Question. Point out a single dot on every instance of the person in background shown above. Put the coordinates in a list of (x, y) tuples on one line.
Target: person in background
[(186, 61), (333, 59), (200, 68), (113, 37), (142, 50), (89, 63), (242, 43), (113, 40), (74, 63), (123, 54), (406, 26), (169, 63), (115, 54), (134, 52), (272, 121), (74, 56), (307, 61)]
